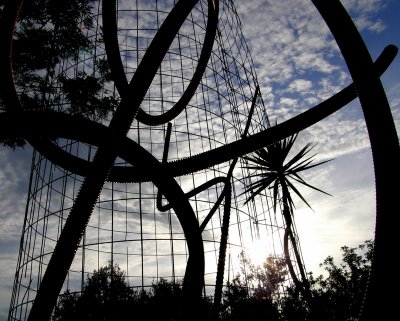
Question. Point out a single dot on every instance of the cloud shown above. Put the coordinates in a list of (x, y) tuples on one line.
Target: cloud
[(300, 86), (363, 23), (345, 218), (298, 65), (14, 178), (288, 40), (364, 6)]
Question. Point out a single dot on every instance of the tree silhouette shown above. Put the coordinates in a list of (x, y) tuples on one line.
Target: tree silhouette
[(273, 172), (106, 296), (337, 296), (253, 294), (262, 281), (49, 33)]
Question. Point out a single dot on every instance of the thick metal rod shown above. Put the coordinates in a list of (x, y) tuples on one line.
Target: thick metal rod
[(379, 303)]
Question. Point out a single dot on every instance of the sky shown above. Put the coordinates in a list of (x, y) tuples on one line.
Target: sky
[(298, 64)]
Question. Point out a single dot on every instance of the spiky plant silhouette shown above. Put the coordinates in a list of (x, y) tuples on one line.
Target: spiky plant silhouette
[(272, 171)]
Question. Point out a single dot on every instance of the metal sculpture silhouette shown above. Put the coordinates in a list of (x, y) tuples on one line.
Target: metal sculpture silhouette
[(112, 142)]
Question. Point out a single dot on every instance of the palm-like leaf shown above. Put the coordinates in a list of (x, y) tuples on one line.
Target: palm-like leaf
[(271, 171)]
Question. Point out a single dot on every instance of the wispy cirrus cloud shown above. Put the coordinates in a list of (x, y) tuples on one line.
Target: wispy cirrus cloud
[(298, 65)]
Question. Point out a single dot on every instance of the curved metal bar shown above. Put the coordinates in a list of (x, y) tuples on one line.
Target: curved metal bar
[(7, 26), (112, 142), (225, 153), (127, 107), (288, 261), (268, 136), (227, 193), (102, 136), (9, 94), (204, 160), (253, 104), (110, 36), (385, 151), (103, 161), (215, 207), (193, 192), (156, 52)]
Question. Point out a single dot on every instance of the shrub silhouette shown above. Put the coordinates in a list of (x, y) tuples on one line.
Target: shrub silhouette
[(106, 296)]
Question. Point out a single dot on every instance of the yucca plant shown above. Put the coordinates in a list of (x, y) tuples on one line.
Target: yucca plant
[(272, 171)]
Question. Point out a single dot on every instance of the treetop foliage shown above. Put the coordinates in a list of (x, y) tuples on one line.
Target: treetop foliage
[(51, 41), (256, 293)]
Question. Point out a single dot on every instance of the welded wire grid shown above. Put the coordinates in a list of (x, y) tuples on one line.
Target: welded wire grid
[(126, 228)]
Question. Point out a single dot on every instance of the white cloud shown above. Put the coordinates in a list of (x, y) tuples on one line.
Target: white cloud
[(376, 26), (13, 184), (298, 65), (14, 178), (300, 73), (300, 86), (364, 6)]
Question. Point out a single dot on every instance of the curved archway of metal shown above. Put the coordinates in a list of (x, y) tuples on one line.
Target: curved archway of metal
[(112, 142), (155, 54), (385, 149), (206, 159)]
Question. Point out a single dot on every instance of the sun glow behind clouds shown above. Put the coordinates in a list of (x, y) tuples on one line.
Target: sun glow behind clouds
[(336, 221), (297, 71), (258, 251)]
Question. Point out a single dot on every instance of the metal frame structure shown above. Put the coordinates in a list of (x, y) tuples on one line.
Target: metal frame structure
[(144, 187), (198, 88)]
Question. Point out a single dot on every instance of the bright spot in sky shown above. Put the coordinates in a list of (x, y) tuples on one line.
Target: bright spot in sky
[(258, 252)]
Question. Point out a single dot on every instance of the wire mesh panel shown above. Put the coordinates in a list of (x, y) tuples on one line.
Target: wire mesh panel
[(128, 226)]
